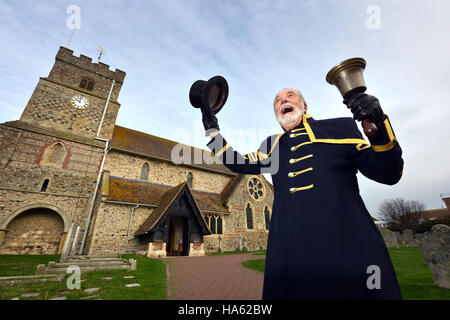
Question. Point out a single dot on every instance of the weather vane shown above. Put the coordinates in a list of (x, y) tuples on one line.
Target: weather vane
[(102, 51)]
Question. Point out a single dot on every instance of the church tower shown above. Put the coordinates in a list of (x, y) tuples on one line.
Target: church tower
[(78, 97)]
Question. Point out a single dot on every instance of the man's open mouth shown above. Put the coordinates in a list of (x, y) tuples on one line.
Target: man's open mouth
[(286, 109)]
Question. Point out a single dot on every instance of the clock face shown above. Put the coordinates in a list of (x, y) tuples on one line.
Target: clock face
[(79, 102)]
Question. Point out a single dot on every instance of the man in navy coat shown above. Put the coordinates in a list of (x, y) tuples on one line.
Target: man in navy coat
[(323, 243)]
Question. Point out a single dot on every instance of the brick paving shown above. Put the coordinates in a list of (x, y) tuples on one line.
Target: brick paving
[(213, 278)]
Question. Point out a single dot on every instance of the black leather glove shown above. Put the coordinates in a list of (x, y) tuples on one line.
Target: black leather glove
[(209, 120), (364, 106)]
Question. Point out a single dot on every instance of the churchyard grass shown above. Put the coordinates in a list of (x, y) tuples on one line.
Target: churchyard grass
[(413, 274), (150, 274), (23, 265)]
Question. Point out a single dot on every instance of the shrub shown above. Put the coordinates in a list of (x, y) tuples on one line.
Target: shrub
[(426, 226)]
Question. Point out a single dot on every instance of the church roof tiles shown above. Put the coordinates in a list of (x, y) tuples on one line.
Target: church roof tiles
[(135, 191), (148, 145)]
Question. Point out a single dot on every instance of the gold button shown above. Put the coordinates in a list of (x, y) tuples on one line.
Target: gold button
[(291, 135), (291, 160), (293, 149), (292, 190), (290, 174)]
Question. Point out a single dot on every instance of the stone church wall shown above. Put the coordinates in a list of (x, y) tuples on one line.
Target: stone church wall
[(236, 236), (111, 228), (49, 107), (237, 204), (34, 232), (24, 168), (129, 166)]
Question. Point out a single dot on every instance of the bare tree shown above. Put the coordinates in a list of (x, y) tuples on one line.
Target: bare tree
[(402, 214)]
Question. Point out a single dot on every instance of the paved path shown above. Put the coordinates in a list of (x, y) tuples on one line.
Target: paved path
[(213, 278)]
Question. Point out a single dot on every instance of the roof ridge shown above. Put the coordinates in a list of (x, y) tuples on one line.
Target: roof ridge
[(142, 181), (164, 139)]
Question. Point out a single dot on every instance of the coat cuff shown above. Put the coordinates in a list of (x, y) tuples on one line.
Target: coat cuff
[(385, 139), (218, 145)]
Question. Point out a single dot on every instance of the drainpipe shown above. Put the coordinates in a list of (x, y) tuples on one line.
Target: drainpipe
[(105, 152), (106, 107), (129, 226)]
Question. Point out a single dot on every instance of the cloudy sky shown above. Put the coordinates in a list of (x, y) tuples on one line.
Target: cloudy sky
[(260, 47)]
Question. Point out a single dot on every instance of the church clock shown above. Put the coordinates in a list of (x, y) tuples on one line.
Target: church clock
[(79, 102)]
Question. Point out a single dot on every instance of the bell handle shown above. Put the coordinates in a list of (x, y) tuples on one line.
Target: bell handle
[(370, 129)]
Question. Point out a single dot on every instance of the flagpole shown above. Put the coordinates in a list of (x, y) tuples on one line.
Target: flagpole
[(70, 39)]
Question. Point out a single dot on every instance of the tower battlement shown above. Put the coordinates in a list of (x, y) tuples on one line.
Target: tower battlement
[(86, 63), (73, 97)]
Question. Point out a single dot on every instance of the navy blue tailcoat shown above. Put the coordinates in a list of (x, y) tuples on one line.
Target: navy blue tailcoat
[(323, 243)]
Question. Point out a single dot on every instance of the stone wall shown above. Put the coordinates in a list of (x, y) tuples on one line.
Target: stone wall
[(49, 107), (129, 166), (211, 243), (72, 75), (25, 166), (235, 235), (253, 240), (237, 204), (111, 228), (38, 231)]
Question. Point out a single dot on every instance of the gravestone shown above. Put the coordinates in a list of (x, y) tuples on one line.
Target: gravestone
[(389, 238), (436, 253), (133, 264), (407, 238), (398, 236), (242, 241), (419, 237)]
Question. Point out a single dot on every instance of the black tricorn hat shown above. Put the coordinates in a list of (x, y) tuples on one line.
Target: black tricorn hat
[(209, 94)]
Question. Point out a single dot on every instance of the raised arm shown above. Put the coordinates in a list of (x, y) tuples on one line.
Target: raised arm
[(382, 161), (250, 163)]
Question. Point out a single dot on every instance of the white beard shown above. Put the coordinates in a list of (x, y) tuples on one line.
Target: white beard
[(291, 118)]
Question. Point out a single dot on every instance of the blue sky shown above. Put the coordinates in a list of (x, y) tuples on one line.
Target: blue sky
[(260, 47)]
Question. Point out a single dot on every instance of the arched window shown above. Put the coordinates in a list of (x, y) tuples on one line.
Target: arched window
[(83, 83), (249, 212), (213, 224), (144, 172), (90, 85), (189, 179), (219, 225), (54, 155), (206, 217), (44, 185), (87, 84), (267, 217)]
